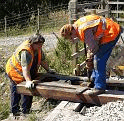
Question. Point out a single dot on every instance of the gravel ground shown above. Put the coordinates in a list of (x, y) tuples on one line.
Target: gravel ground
[(112, 111), (8, 45), (50, 41)]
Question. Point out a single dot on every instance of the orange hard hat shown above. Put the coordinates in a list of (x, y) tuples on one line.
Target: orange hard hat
[(66, 30)]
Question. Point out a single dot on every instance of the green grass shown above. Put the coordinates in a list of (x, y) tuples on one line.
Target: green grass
[(4, 97)]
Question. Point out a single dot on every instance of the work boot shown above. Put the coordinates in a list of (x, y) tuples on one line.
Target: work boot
[(94, 91), (91, 84), (16, 113)]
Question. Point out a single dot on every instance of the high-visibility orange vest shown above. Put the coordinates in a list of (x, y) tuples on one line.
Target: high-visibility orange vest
[(13, 66), (106, 27)]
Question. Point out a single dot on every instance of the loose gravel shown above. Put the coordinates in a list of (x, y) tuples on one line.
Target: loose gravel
[(50, 41), (112, 111)]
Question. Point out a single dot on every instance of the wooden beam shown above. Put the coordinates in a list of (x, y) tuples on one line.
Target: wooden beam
[(120, 3), (51, 77), (68, 92), (62, 111), (88, 4), (115, 82), (120, 19), (82, 65), (42, 76), (77, 54), (115, 11), (110, 83)]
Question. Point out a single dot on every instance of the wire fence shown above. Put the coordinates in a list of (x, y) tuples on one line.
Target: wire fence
[(48, 18), (41, 19)]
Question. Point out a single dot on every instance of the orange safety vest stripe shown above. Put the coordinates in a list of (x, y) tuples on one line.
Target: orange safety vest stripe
[(106, 27), (13, 66)]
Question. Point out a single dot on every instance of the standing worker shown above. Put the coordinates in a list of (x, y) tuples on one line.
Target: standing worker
[(100, 35), (23, 66)]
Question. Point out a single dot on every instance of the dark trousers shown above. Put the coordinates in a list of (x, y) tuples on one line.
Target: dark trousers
[(17, 99)]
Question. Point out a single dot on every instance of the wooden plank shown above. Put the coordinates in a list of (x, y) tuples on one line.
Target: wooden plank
[(70, 93), (109, 96), (82, 66), (65, 107), (103, 12), (119, 19), (77, 54), (88, 4), (110, 83), (61, 77), (98, 11), (120, 3), (115, 11), (115, 82)]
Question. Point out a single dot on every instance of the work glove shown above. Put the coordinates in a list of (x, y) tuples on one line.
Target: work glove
[(89, 64), (51, 71), (29, 85)]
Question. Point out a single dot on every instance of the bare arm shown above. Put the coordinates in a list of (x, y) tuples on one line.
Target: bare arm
[(45, 65), (26, 73), (25, 60)]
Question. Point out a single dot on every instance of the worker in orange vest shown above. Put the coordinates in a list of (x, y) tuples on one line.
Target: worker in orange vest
[(23, 66), (100, 34)]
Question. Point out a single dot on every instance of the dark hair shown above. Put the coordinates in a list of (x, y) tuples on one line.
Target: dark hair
[(37, 39), (41, 39)]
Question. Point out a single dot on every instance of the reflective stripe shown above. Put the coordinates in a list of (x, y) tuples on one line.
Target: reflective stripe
[(16, 58), (15, 68), (89, 23), (103, 20), (17, 52)]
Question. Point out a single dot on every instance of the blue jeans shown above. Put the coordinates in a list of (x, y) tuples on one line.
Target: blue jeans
[(26, 101), (100, 60)]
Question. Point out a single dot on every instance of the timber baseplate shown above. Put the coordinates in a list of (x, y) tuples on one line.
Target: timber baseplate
[(61, 90)]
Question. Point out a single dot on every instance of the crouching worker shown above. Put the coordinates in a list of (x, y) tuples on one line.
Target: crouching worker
[(100, 35), (23, 66)]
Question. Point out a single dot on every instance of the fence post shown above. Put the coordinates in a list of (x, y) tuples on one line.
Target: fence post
[(104, 6), (38, 22), (107, 8), (72, 11), (73, 17), (117, 10), (5, 25)]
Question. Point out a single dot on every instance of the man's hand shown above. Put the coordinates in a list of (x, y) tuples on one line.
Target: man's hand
[(29, 85), (51, 71), (89, 64)]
